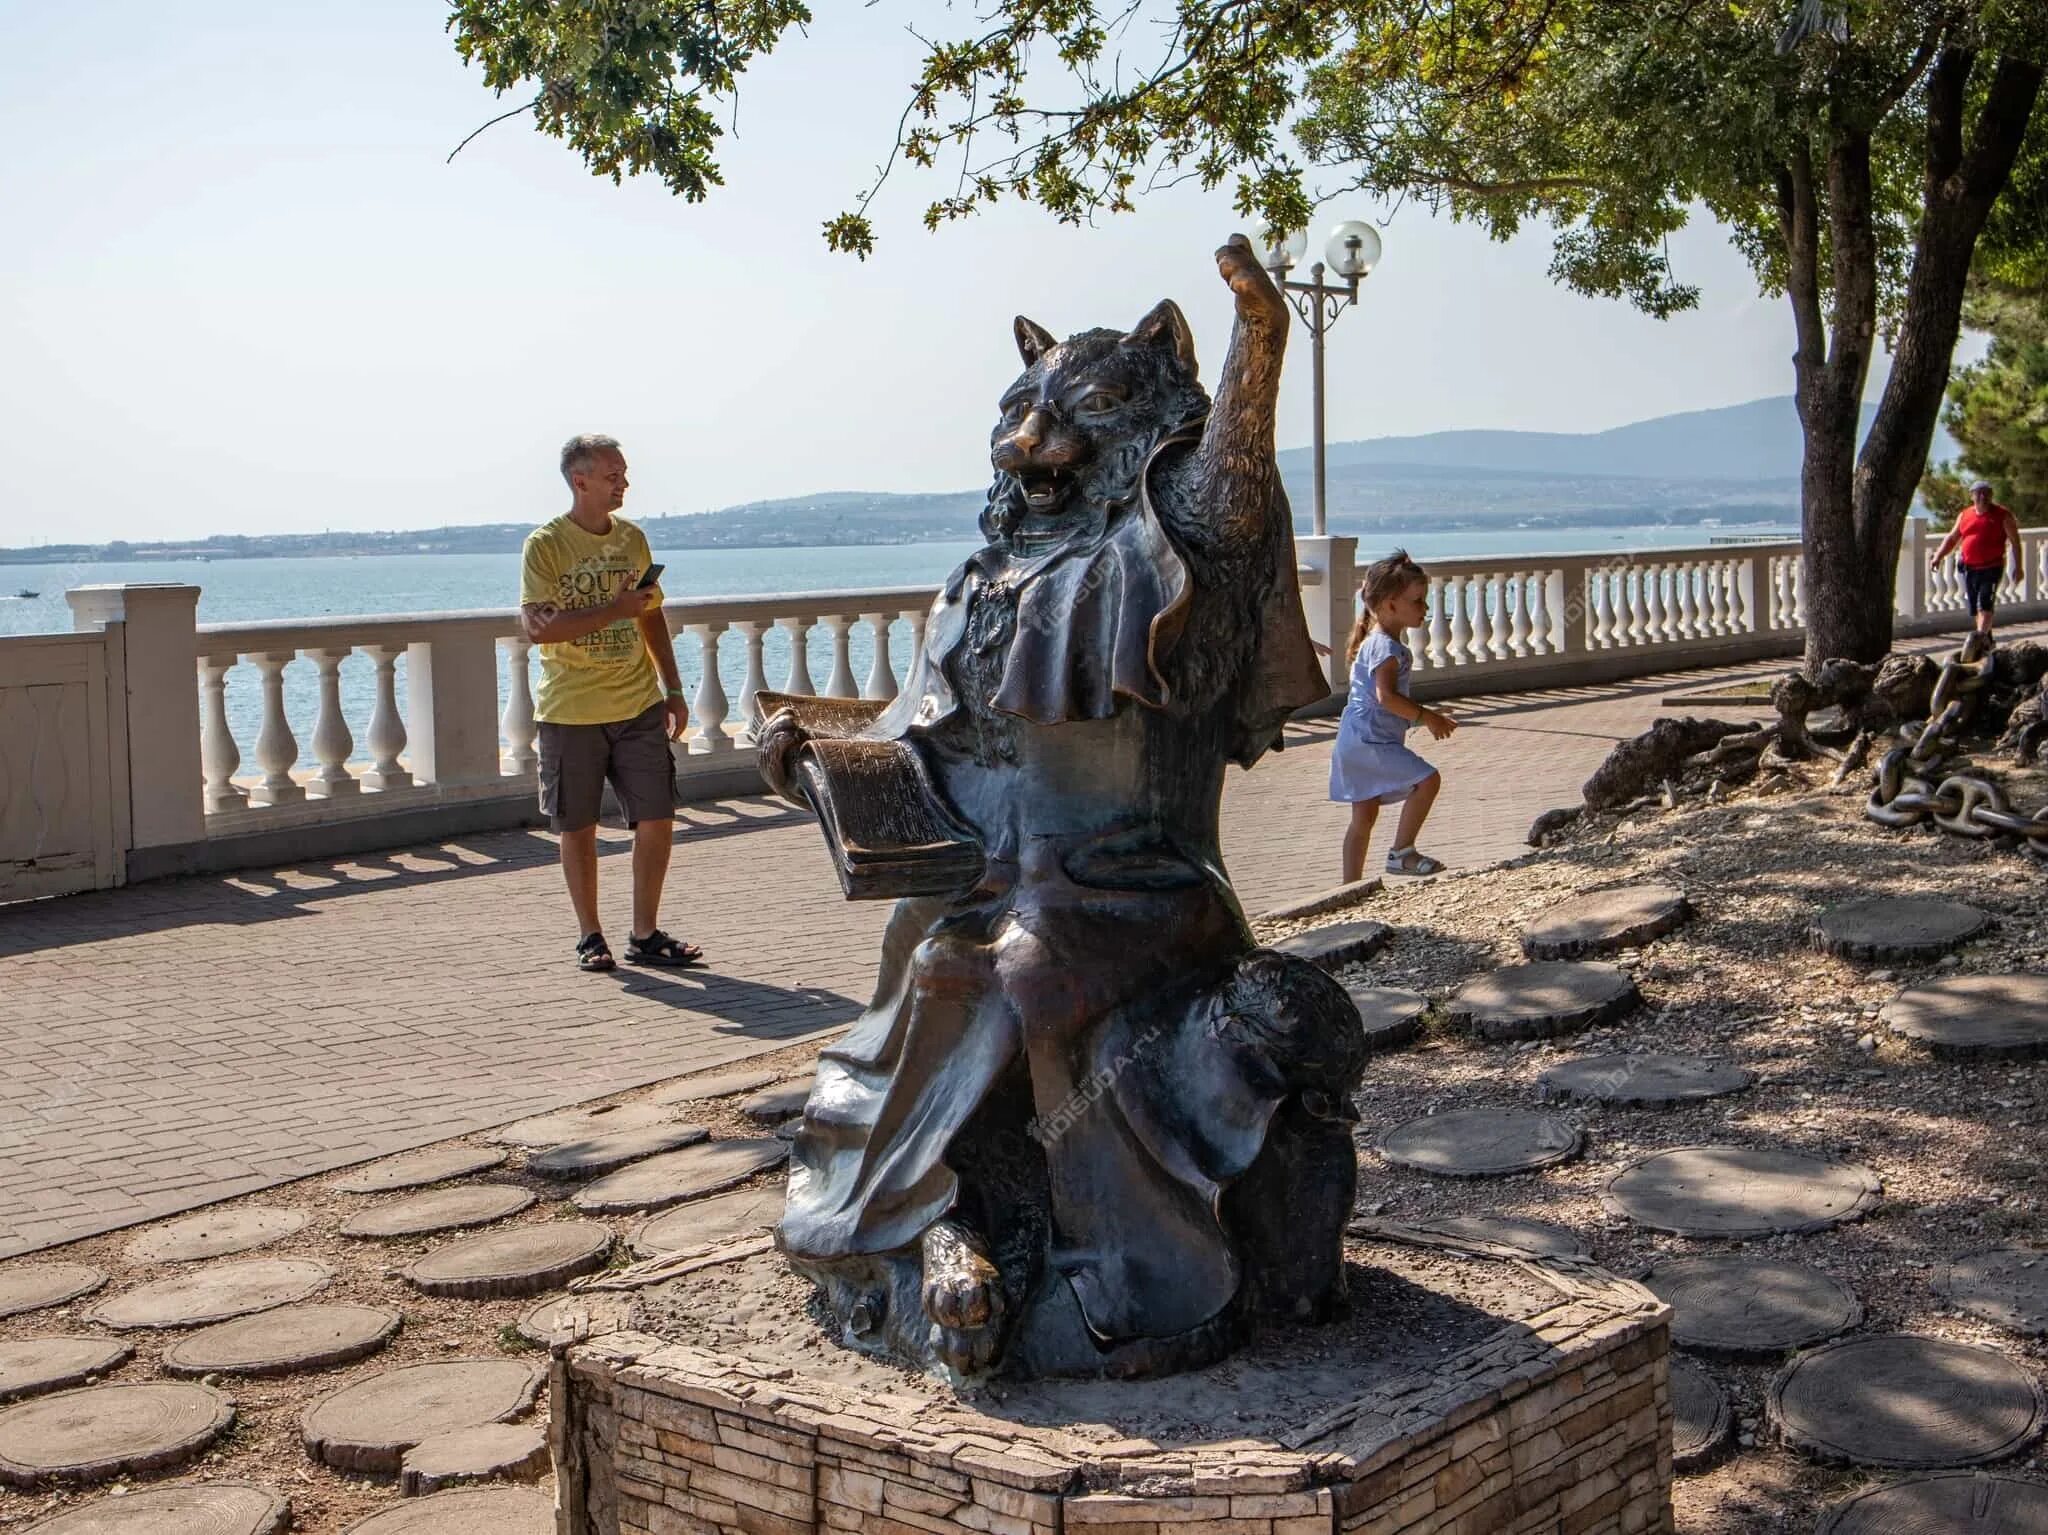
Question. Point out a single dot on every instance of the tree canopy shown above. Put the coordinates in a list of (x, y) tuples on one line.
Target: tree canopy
[(1856, 150), (1998, 409)]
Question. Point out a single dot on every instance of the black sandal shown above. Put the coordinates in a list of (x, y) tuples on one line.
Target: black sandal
[(657, 948), (593, 955)]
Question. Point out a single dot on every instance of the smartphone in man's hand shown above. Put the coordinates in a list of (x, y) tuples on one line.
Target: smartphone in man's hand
[(653, 575)]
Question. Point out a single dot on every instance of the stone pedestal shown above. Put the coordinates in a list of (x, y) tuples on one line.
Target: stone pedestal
[(1473, 1391)]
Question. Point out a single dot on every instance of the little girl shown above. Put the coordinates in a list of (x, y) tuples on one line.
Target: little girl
[(1370, 766)]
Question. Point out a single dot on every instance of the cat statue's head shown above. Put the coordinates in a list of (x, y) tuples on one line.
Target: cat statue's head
[(1078, 425)]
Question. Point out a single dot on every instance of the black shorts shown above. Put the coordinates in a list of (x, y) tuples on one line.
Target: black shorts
[(1980, 586), (576, 760)]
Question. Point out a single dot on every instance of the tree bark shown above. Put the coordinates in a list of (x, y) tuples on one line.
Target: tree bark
[(1853, 507)]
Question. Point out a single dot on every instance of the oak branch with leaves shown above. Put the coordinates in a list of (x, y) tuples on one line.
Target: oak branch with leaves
[(1855, 150)]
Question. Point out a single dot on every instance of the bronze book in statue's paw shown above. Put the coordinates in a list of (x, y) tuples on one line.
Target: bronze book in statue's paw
[(889, 834)]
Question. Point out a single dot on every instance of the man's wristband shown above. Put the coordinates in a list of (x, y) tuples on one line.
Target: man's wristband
[(675, 692)]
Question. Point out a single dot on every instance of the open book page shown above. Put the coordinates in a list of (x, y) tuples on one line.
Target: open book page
[(889, 832)]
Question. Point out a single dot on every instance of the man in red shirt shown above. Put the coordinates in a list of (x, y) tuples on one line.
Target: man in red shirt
[(1983, 535)]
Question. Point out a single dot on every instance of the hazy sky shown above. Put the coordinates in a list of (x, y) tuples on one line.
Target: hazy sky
[(241, 291)]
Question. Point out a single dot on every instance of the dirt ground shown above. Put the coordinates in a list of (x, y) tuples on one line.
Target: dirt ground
[(1961, 1148)]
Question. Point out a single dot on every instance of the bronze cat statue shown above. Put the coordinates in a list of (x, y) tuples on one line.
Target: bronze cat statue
[(1086, 1126)]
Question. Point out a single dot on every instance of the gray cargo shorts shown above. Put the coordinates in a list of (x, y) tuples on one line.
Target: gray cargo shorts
[(576, 760)]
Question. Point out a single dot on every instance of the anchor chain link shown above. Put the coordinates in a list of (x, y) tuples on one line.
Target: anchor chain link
[(1925, 777)]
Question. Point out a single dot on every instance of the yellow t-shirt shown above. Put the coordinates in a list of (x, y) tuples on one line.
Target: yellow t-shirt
[(606, 676)]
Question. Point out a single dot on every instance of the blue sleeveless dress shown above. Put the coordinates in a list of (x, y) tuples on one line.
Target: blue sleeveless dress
[(1370, 760)]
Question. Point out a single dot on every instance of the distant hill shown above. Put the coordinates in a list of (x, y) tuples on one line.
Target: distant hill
[(1756, 441), (1737, 465)]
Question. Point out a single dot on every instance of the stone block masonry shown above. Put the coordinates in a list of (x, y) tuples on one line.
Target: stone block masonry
[(1558, 1423)]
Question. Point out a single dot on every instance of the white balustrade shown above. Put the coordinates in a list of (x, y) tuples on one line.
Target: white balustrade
[(755, 631), (1439, 622), (332, 743), (799, 679)]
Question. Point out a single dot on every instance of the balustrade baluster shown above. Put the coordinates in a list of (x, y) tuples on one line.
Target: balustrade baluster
[(517, 723), (799, 680), (1781, 594), (755, 631), (218, 754), (1688, 601), (1462, 652), (1717, 598), (916, 618), (332, 742), (1538, 595), (842, 684), (1599, 634), (1653, 605), (387, 725), (1493, 608), (1629, 583), (1518, 625), (881, 683), (1439, 623), (276, 747), (711, 706)]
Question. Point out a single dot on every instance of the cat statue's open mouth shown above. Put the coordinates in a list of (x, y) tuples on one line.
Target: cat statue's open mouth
[(1042, 490)]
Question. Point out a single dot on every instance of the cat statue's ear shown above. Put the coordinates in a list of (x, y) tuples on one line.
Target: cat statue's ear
[(1033, 340), (1166, 326)]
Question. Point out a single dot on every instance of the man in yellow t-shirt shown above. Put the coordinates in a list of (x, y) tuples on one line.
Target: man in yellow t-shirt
[(610, 697)]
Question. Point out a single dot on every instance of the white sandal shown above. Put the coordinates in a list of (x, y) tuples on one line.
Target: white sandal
[(1408, 861)]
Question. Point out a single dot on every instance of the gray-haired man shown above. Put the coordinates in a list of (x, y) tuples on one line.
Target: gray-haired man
[(603, 712)]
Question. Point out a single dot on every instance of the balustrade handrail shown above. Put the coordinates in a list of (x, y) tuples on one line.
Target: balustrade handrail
[(255, 635)]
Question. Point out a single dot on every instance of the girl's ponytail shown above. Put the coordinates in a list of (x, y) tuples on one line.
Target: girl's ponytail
[(1383, 579)]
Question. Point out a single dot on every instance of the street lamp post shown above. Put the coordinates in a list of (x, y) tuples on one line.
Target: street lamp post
[(1353, 251)]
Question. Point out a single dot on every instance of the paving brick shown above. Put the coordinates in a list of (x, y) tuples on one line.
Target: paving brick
[(184, 1041)]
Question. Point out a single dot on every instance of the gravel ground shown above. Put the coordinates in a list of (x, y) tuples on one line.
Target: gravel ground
[(1960, 1147)]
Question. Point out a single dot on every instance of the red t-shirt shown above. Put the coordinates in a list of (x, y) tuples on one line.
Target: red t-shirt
[(1980, 536)]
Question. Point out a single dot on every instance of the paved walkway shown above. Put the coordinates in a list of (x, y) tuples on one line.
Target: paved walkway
[(185, 1041)]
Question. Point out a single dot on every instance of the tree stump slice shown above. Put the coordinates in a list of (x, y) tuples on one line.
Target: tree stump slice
[(603, 1153), (466, 1511), (1740, 1191), (2007, 1286), (1606, 922), (1751, 1308), (783, 1100), (214, 1294), (417, 1169), (518, 1451), (1391, 1017), (368, 1427), (215, 1234), (1643, 1081), (1907, 1403), (99, 1432), (1542, 999), (708, 1221), (1339, 944), (525, 1260), (677, 1176), (284, 1341), (1482, 1143), (1954, 1503), (1896, 928), (1701, 1421), (31, 1366), (466, 1204), (1962, 1017), (701, 1089), (183, 1508), (596, 1311), (32, 1286), (1538, 1237), (545, 1130)]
